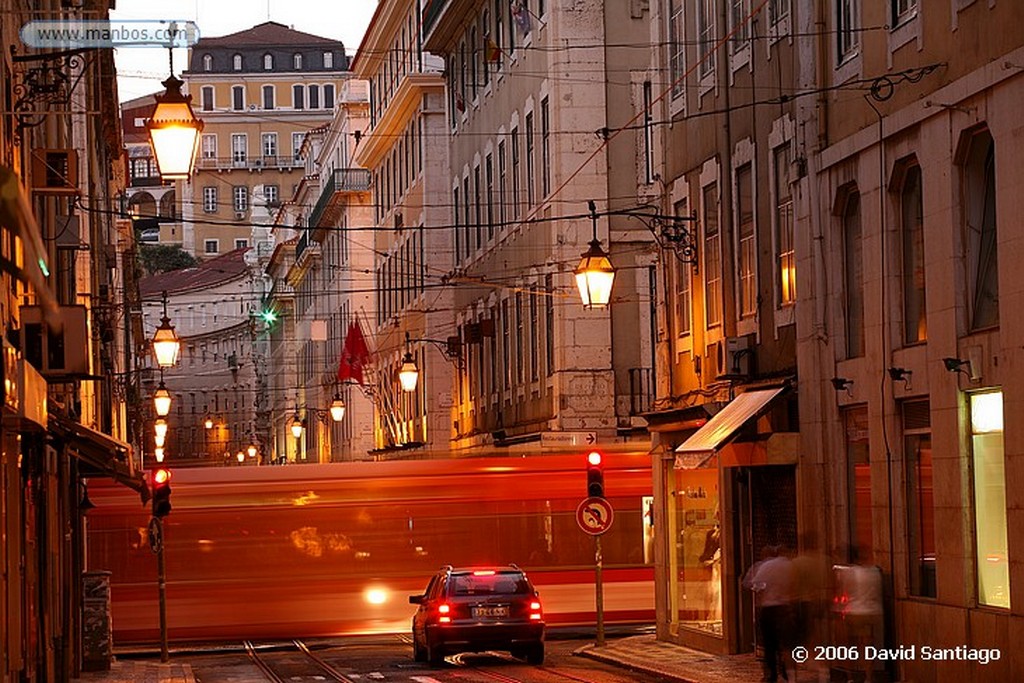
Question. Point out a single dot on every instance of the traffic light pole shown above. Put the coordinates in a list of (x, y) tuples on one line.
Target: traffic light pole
[(599, 589), (161, 581)]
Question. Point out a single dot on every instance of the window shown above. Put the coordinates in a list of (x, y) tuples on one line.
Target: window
[(485, 46), (210, 199), (531, 192), (534, 336), (329, 95), (514, 140), (489, 177), (712, 258), (989, 470), (209, 147), (236, 62), (206, 95), (677, 48), (682, 278), (313, 93), (474, 60), (853, 276), (499, 30), (747, 252), (858, 485), (545, 148), (268, 97), (706, 37), (328, 60), (269, 144), (457, 228), (478, 207), (917, 456), (268, 62), (210, 247), (272, 194), (297, 61), (461, 97), (903, 11), (915, 326), (506, 346), (520, 333), (502, 180), (979, 215), (739, 10), (238, 97), (777, 11), (297, 144), (467, 216), (207, 63), (785, 258), (847, 29), (241, 243), (298, 97), (241, 197), (239, 151), (549, 323)]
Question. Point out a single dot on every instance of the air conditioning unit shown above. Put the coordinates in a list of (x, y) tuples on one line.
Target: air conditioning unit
[(239, 215), (737, 356)]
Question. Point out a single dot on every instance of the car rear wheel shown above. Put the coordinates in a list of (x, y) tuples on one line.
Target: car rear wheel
[(535, 654), (418, 653)]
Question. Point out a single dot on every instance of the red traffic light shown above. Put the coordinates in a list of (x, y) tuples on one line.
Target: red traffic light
[(161, 485), (595, 475), (161, 476)]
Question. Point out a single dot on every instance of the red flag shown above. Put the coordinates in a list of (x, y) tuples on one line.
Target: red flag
[(354, 355)]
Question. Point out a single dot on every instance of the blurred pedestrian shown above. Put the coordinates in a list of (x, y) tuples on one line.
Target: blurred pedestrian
[(810, 600), (771, 579), (860, 590)]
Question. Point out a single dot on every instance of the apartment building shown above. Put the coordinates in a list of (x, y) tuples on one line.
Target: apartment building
[(258, 92)]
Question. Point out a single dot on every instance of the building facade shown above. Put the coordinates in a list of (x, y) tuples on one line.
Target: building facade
[(214, 312), (258, 92), (533, 90)]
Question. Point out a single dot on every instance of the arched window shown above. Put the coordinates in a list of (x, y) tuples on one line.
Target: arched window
[(978, 175), (329, 96), (268, 62), (853, 274), (298, 97), (236, 62), (207, 63), (313, 92), (206, 96), (297, 61)]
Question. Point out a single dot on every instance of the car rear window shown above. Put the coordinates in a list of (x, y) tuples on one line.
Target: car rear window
[(489, 584)]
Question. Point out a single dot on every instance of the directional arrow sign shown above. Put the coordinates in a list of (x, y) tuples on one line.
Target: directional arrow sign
[(552, 439)]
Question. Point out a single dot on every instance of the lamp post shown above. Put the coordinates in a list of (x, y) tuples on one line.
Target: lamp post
[(595, 273), (166, 345)]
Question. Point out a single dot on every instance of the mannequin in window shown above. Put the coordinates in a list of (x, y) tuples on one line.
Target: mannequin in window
[(711, 559)]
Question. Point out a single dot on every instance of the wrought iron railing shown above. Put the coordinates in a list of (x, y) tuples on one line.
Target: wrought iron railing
[(340, 181)]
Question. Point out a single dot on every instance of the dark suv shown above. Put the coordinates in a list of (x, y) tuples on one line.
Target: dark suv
[(478, 609)]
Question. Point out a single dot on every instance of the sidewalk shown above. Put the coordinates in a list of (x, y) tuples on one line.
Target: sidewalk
[(134, 671), (644, 653)]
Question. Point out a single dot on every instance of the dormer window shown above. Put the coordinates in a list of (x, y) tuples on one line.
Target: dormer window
[(328, 60), (297, 61), (207, 63), (268, 62), (236, 62)]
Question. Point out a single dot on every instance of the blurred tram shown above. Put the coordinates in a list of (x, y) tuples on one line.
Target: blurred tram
[(318, 550)]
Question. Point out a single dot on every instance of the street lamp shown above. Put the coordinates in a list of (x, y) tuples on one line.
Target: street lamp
[(296, 426), (162, 400), (595, 273), (240, 456), (174, 131), (252, 450), (159, 440), (166, 344), (408, 374), (160, 427), (208, 423), (158, 452), (337, 408)]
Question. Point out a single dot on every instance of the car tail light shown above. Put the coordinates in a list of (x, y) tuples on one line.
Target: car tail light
[(444, 612), (484, 572), (535, 610)]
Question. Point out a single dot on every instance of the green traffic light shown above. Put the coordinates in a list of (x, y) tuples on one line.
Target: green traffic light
[(269, 316)]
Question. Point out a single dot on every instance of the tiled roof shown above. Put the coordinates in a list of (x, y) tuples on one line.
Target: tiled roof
[(267, 34), (211, 273)]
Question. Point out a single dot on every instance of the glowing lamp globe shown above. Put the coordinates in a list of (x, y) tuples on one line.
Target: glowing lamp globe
[(174, 132)]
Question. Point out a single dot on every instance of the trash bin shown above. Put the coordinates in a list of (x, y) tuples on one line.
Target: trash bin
[(97, 636)]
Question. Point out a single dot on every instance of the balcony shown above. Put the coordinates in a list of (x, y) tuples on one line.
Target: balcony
[(342, 181), (250, 163)]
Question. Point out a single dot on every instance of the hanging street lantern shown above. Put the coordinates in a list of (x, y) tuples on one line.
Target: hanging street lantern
[(162, 400), (166, 345), (296, 427), (160, 427), (252, 450), (595, 273), (408, 374), (337, 409), (174, 132)]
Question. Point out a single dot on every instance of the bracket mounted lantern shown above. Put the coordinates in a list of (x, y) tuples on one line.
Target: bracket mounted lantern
[(174, 132)]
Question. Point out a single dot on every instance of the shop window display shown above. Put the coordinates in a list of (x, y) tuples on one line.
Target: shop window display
[(697, 557)]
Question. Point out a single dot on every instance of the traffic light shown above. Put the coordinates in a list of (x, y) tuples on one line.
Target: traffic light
[(595, 475), (161, 485)]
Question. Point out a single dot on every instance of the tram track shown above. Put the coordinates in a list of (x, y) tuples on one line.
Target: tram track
[(263, 663)]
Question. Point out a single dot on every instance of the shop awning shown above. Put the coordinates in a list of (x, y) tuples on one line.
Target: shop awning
[(696, 451), (101, 452)]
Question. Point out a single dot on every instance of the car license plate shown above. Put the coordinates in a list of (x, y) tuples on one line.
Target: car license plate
[(489, 612)]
